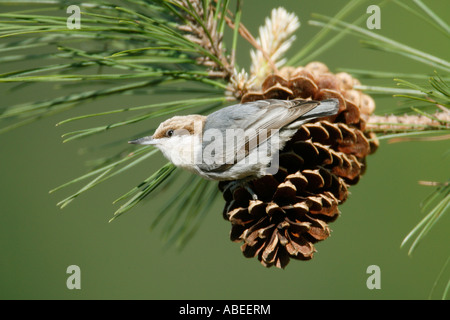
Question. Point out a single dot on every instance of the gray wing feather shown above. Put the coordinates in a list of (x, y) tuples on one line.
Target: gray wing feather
[(258, 116)]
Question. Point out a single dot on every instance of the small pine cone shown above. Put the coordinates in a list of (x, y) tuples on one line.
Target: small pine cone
[(317, 166)]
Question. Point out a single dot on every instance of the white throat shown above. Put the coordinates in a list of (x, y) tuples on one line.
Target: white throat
[(181, 150)]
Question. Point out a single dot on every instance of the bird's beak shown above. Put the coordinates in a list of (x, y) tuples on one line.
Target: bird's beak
[(145, 141)]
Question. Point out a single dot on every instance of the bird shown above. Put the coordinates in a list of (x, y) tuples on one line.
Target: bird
[(240, 142)]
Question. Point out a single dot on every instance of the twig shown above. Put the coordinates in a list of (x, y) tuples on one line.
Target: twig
[(392, 123)]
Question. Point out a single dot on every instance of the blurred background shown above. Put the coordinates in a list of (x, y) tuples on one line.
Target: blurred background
[(125, 260)]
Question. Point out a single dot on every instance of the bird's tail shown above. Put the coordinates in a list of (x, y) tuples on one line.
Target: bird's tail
[(326, 108)]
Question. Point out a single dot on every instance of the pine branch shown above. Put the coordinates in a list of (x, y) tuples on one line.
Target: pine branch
[(178, 47)]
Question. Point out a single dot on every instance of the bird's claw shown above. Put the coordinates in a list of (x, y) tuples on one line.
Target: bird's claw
[(232, 186)]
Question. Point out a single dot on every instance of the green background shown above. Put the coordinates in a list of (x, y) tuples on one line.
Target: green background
[(124, 260)]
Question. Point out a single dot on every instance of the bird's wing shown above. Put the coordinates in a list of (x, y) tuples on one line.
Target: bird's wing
[(254, 123)]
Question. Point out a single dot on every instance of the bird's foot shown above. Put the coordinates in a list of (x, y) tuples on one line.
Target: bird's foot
[(234, 185)]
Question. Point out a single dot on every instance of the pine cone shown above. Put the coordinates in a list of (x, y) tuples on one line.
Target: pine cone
[(317, 165)]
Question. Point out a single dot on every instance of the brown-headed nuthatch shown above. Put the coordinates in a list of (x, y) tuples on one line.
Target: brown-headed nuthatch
[(238, 142)]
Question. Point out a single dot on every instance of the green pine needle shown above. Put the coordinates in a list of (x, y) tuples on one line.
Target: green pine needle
[(149, 185), (431, 218), (380, 42)]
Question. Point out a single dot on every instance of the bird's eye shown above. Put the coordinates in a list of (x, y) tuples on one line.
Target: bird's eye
[(169, 133)]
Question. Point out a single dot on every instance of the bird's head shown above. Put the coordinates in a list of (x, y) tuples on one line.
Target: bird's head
[(175, 137), (173, 129)]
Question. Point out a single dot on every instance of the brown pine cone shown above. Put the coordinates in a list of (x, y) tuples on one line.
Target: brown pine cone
[(317, 165)]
